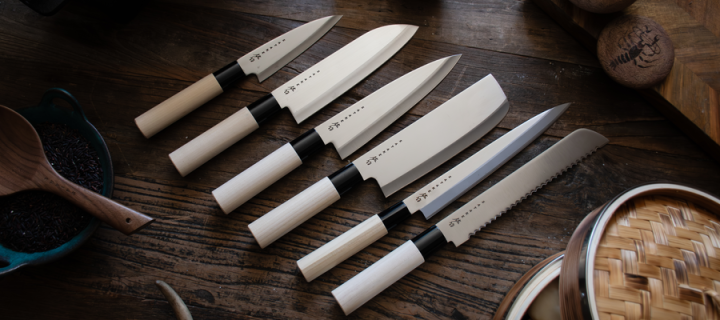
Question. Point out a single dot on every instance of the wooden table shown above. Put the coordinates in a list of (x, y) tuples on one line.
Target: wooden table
[(119, 69)]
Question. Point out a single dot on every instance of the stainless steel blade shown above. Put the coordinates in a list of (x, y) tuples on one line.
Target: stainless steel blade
[(483, 209), (436, 137), (273, 55), (328, 79), (356, 125), (435, 196)]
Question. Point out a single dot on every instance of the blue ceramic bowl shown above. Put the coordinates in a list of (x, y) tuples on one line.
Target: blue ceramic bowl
[(47, 111)]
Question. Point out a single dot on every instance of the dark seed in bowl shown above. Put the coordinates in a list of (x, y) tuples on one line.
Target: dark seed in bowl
[(36, 221)]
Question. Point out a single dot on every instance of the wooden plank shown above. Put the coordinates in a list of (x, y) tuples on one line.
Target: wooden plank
[(689, 95)]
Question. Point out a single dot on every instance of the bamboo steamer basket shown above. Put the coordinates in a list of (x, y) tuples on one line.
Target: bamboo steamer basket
[(520, 298), (652, 252)]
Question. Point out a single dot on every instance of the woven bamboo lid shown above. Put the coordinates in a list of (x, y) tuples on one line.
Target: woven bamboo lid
[(651, 253)]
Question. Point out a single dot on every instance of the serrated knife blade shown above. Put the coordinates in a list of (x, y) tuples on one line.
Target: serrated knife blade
[(303, 95), (470, 218), (347, 131), (404, 157)]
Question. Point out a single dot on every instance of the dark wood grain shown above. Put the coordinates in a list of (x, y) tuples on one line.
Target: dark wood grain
[(119, 70)]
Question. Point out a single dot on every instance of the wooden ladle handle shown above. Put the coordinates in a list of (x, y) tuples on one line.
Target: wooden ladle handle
[(122, 218)]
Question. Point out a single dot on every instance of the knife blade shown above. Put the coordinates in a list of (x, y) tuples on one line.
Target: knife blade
[(347, 131), (404, 157), (263, 62), (304, 95), (470, 218), (431, 198)]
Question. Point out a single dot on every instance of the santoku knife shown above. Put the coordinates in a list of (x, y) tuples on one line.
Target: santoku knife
[(431, 198), (470, 218), (305, 94), (404, 157), (347, 131), (263, 62)]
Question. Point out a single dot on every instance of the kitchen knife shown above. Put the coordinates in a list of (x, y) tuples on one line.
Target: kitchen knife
[(303, 95), (470, 218), (263, 62), (404, 157), (347, 131), (431, 198)]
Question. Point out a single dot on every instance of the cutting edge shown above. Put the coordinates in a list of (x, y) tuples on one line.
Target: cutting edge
[(311, 31), (458, 237), (334, 83), (480, 165), (383, 107)]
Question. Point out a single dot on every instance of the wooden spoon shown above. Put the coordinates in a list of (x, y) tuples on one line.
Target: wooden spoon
[(23, 166)]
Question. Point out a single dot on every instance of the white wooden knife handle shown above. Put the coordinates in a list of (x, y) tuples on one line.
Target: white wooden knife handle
[(378, 277), (293, 212), (177, 106), (342, 247), (209, 144), (258, 177), (189, 99)]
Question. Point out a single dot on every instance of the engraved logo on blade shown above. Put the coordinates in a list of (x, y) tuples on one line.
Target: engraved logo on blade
[(432, 189), (457, 221), (348, 117), (290, 89), (374, 159), (258, 56)]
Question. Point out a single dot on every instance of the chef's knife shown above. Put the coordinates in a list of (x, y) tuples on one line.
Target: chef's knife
[(303, 95), (404, 157), (347, 131), (263, 62), (431, 198), (469, 219)]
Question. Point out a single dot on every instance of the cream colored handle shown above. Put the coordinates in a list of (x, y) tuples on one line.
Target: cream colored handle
[(378, 277), (209, 144), (342, 247), (293, 212), (261, 175), (177, 106)]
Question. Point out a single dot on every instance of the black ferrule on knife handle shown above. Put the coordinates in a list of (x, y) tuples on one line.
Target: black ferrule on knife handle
[(429, 241), (228, 74), (394, 215), (345, 178), (307, 144), (264, 108)]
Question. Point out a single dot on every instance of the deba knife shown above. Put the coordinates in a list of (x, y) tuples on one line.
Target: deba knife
[(404, 157), (305, 94), (431, 198), (263, 62), (470, 218), (347, 131)]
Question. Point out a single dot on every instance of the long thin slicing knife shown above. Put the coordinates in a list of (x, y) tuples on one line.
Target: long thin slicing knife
[(263, 62), (347, 131), (469, 219), (431, 198), (304, 95), (404, 157)]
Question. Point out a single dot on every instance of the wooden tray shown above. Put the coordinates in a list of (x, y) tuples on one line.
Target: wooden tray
[(689, 95)]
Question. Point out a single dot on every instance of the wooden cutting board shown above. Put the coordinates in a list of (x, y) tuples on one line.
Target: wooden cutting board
[(689, 95)]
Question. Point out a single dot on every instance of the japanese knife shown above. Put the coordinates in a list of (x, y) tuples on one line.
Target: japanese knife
[(469, 219), (404, 157), (303, 95), (347, 131), (431, 198), (263, 62)]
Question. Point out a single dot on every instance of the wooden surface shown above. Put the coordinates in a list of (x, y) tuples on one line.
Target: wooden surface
[(118, 70), (689, 95)]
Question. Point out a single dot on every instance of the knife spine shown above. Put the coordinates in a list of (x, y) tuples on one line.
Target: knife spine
[(544, 183)]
